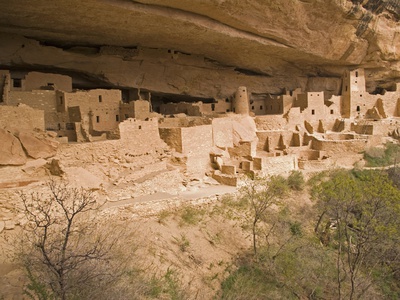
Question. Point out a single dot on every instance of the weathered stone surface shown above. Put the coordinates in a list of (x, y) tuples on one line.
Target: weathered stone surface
[(37, 148), (205, 48), (11, 152)]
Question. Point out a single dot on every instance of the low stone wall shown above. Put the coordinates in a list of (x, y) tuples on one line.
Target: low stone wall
[(335, 147), (21, 117), (275, 165), (339, 136)]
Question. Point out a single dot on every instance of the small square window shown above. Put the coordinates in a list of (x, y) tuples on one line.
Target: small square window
[(17, 82)]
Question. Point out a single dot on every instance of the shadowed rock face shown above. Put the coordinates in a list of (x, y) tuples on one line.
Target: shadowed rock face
[(205, 48)]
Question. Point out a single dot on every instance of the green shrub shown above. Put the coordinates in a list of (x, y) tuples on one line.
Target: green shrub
[(375, 158), (191, 215), (296, 181)]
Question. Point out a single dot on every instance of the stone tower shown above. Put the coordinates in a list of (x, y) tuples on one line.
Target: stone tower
[(240, 104), (353, 82)]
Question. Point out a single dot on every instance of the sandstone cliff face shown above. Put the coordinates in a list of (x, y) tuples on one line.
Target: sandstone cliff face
[(205, 48)]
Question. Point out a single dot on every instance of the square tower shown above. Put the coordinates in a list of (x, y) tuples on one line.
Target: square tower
[(353, 83)]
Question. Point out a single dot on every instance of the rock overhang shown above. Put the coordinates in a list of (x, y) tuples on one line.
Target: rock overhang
[(288, 41)]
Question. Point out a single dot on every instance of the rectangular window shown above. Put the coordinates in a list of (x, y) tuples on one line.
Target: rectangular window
[(17, 82), (117, 118), (252, 108), (260, 107), (212, 106), (61, 100), (331, 111), (98, 119), (313, 111), (100, 98)]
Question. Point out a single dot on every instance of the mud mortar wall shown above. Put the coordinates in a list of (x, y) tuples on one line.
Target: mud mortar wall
[(335, 147), (21, 117)]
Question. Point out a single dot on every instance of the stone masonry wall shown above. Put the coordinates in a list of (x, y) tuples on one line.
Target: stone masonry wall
[(37, 80), (101, 105), (275, 165), (173, 137), (42, 100), (196, 144), (336, 147), (21, 117)]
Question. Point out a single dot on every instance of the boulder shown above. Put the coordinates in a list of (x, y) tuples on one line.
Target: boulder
[(11, 152), (37, 146)]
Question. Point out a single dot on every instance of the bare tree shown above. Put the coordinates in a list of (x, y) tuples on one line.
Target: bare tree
[(62, 248)]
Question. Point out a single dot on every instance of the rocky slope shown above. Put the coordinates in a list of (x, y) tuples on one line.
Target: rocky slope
[(205, 48)]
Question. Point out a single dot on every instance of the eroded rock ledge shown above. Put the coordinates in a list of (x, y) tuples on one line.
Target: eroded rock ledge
[(205, 48)]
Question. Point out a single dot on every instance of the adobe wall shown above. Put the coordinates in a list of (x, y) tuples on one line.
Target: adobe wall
[(219, 107), (309, 155), (141, 109), (42, 100), (197, 140), (301, 101), (196, 144), (140, 136), (4, 85), (361, 102), (275, 165), (39, 99), (270, 123), (391, 103), (362, 128), (173, 137), (37, 81), (126, 111), (190, 109), (222, 132), (21, 117), (272, 140), (184, 122), (332, 108), (315, 106), (101, 105), (261, 106), (332, 147)]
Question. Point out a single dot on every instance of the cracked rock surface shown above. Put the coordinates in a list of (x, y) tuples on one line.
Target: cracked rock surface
[(205, 48)]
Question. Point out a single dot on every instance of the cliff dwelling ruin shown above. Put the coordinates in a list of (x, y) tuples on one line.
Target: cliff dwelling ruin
[(158, 108), (262, 133)]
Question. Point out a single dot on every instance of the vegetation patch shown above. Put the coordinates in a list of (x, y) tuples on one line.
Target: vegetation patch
[(381, 157)]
